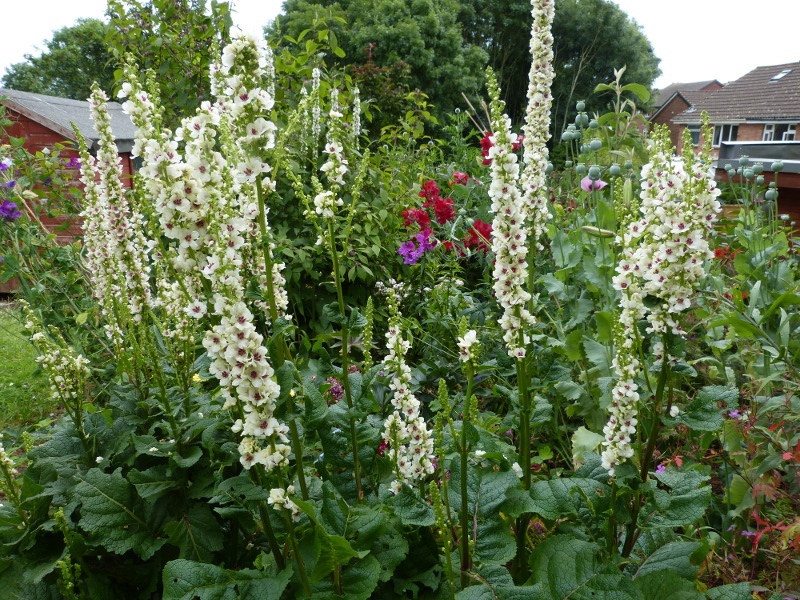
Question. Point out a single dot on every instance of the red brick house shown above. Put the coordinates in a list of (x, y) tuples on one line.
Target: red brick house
[(44, 121), (676, 99), (756, 115)]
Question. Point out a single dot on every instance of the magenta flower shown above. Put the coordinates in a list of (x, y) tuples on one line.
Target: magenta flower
[(591, 186)]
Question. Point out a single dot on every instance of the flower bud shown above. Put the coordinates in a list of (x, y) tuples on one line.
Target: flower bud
[(594, 173), (580, 106), (595, 144), (614, 170), (777, 166), (744, 160), (580, 169)]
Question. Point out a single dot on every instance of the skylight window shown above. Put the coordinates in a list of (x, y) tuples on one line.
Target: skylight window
[(782, 74)]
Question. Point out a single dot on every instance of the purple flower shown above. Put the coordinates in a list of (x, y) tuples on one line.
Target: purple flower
[(8, 211), (590, 186), (734, 414), (408, 250), (660, 469), (73, 162), (10, 184), (5, 164), (749, 533)]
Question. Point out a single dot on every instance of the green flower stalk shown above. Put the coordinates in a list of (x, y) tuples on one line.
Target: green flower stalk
[(66, 370)]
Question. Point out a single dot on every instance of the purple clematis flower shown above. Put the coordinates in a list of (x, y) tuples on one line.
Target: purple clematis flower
[(8, 210)]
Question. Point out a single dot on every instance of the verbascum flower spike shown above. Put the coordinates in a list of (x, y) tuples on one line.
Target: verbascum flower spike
[(509, 230), (537, 119), (405, 431)]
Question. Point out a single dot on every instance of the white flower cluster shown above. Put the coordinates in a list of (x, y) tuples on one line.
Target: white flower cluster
[(468, 346), (116, 249), (335, 167), (316, 111), (405, 431), (537, 118), (326, 203), (173, 186), (356, 116), (65, 370), (664, 249), (207, 204), (279, 499), (509, 231), (401, 289)]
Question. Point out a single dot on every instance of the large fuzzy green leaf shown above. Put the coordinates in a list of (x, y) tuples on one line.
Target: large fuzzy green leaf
[(684, 503), (564, 567), (411, 509), (734, 591), (197, 533), (190, 580), (108, 513), (667, 585)]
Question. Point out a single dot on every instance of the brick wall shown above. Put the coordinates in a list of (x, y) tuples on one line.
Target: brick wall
[(750, 132)]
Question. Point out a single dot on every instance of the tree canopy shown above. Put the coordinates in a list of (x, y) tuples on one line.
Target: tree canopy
[(448, 43), (75, 57)]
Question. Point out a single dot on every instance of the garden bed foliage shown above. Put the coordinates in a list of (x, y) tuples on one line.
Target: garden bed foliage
[(306, 359)]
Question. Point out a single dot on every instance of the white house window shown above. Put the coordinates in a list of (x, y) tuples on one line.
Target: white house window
[(775, 132), (724, 133), (695, 131)]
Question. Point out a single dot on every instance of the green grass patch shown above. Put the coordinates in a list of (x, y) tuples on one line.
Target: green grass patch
[(24, 390)]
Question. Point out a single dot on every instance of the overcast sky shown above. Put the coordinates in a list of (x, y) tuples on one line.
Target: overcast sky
[(696, 40)]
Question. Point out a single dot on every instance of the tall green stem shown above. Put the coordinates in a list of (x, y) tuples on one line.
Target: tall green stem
[(647, 457), (345, 365), (463, 539)]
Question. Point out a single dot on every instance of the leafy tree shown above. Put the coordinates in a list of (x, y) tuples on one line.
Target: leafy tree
[(424, 34), (73, 59), (174, 38), (448, 44), (591, 39)]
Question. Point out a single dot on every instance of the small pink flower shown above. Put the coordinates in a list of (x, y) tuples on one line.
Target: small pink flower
[(591, 186)]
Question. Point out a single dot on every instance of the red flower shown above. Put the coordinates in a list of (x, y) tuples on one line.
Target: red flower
[(443, 207), (416, 215), (487, 143), (459, 178), (430, 190), (479, 236), (721, 252)]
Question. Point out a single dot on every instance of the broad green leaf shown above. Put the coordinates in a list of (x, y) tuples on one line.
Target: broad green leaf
[(109, 515), (667, 585), (564, 567), (734, 591), (411, 509), (333, 552), (495, 544), (674, 557), (197, 533), (638, 89), (584, 442), (190, 580), (152, 483), (555, 498), (359, 580), (684, 504)]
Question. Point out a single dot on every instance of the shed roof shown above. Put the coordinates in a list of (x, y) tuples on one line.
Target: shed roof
[(57, 113), (770, 93)]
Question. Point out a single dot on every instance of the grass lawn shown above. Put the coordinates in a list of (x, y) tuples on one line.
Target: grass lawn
[(24, 390)]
